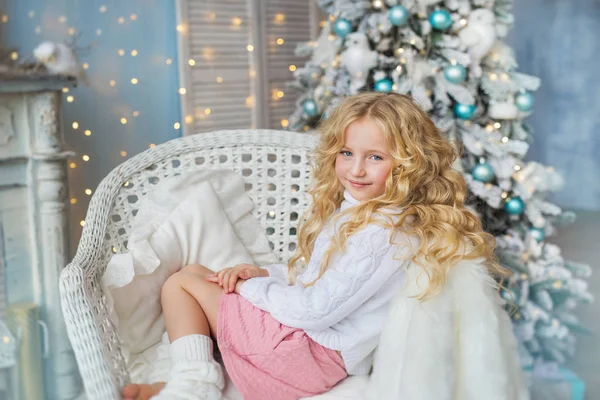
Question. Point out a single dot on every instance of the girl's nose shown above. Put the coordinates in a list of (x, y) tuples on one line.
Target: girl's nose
[(358, 168)]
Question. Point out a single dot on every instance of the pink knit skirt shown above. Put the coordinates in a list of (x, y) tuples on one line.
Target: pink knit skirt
[(267, 360)]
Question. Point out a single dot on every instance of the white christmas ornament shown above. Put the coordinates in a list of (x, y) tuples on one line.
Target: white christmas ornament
[(58, 58), (503, 109), (479, 36), (358, 59)]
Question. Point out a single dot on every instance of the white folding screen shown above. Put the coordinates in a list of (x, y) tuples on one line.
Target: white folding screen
[(235, 57)]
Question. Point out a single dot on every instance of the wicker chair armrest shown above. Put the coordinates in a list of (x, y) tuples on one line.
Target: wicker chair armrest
[(91, 335)]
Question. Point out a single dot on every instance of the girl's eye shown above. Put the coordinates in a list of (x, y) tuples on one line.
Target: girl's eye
[(345, 153), (376, 158)]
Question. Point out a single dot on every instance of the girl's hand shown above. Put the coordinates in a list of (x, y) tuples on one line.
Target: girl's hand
[(228, 277)]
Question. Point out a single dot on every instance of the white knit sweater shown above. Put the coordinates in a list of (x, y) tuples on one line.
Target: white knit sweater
[(346, 308)]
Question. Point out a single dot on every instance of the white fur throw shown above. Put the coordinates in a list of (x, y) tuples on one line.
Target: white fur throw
[(458, 345)]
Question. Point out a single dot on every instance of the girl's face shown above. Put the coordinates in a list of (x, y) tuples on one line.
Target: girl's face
[(363, 164)]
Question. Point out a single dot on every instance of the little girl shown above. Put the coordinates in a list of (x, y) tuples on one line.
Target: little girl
[(384, 195)]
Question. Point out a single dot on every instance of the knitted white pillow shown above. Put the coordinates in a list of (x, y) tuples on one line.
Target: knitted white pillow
[(203, 217)]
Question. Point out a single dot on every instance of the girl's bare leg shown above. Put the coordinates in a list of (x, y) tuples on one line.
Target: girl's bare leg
[(186, 293)]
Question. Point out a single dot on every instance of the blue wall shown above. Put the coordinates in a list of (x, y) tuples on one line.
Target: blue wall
[(557, 40), (148, 27)]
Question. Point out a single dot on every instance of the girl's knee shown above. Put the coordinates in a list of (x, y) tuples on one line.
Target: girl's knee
[(196, 269)]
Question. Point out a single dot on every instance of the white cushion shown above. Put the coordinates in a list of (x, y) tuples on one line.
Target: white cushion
[(202, 217)]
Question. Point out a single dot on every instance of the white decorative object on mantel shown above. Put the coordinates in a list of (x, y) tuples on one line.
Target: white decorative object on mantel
[(34, 234)]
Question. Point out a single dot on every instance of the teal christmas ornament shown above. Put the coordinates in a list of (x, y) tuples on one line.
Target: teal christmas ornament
[(398, 15), (440, 20), (464, 111), (309, 106), (514, 206), (455, 73), (384, 85), (524, 101), (342, 27), (483, 172), (537, 233)]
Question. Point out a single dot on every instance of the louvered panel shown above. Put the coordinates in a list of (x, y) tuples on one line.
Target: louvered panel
[(290, 21), (280, 107), (219, 88)]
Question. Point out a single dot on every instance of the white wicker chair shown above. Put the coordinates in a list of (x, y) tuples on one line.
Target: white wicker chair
[(275, 168)]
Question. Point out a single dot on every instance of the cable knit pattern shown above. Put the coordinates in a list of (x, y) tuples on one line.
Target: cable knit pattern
[(345, 309)]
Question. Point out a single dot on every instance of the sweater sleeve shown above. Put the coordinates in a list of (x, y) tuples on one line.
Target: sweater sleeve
[(352, 278), (279, 271)]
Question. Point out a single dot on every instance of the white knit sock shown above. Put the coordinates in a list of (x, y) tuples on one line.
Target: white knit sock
[(195, 375)]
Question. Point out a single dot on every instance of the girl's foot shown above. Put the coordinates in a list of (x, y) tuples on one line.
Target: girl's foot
[(144, 391)]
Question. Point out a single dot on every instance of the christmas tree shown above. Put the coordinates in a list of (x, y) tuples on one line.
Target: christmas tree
[(450, 56)]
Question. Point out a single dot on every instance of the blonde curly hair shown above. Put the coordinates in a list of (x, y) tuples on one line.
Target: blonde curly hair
[(422, 188)]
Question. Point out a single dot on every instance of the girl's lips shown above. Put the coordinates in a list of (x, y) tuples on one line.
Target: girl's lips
[(358, 185)]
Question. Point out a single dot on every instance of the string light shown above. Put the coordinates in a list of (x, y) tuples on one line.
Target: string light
[(191, 62), (207, 111), (88, 191), (168, 61), (280, 41), (121, 20), (136, 113), (123, 121), (85, 158), (121, 52), (133, 17), (152, 145), (134, 81), (62, 19), (71, 31), (123, 153), (189, 119), (134, 52), (82, 223), (70, 99), (73, 200), (497, 125), (112, 82), (250, 47), (176, 125), (14, 56), (182, 91), (86, 66), (292, 68), (236, 21), (219, 79), (72, 165), (279, 18), (284, 123), (87, 132), (75, 125), (102, 8)]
